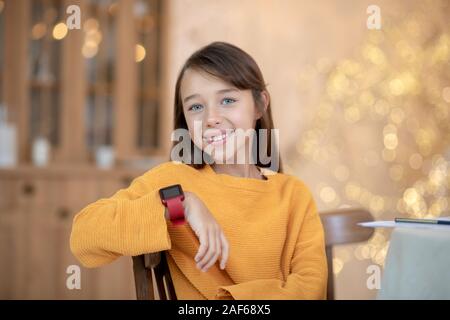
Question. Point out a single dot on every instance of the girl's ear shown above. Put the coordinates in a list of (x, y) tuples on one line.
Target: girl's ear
[(265, 98)]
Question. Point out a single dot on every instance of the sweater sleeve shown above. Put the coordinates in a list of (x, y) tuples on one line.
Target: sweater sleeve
[(308, 277), (131, 222)]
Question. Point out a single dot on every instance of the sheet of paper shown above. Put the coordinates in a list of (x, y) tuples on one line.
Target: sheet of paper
[(393, 224)]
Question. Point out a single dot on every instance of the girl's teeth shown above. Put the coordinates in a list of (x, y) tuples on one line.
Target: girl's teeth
[(218, 138)]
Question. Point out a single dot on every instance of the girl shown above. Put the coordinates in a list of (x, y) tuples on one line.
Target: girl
[(250, 232)]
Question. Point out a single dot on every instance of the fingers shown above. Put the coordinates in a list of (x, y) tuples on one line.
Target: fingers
[(211, 249), (213, 244), (203, 245), (225, 251), (217, 252)]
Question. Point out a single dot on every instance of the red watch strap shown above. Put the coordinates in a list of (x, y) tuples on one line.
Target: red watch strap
[(176, 210)]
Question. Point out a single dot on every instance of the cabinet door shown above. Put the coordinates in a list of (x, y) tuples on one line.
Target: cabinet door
[(45, 220), (37, 220), (113, 281), (6, 238), (42, 256), (8, 232), (15, 233), (13, 248), (35, 226), (29, 197)]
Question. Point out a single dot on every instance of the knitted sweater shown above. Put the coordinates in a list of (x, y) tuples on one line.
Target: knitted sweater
[(276, 239)]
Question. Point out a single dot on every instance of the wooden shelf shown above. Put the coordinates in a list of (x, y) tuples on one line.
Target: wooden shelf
[(39, 84), (101, 88)]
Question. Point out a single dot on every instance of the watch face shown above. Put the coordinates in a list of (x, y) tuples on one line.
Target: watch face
[(171, 192)]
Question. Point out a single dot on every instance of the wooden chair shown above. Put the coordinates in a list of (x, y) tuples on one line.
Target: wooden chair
[(340, 228), (152, 272)]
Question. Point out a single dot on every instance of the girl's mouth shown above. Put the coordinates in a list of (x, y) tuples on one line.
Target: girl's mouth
[(218, 139)]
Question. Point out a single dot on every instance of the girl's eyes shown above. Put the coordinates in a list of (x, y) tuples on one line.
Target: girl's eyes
[(193, 108), (229, 99), (197, 107)]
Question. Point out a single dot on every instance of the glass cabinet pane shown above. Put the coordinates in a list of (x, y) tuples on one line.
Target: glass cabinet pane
[(147, 14), (98, 49), (2, 48), (47, 29)]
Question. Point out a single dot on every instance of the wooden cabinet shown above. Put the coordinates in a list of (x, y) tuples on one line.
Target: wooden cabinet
[(37, 207), (79, 89)]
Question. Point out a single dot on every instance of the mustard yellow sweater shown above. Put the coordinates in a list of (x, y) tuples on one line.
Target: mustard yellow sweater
[(273, 228)]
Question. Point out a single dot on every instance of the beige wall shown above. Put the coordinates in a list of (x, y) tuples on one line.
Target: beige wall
[(284, 37)]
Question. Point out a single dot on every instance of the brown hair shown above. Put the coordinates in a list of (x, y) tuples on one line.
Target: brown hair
[(233, 65)]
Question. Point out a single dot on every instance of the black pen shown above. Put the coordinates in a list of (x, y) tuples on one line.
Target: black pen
[(427, 221)]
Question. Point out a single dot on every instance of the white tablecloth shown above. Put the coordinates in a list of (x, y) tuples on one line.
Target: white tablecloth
[(417, 265)]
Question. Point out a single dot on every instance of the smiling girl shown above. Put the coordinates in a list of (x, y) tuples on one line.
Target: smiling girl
[(231, 228)]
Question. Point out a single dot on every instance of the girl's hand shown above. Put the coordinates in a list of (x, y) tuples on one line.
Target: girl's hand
[(212, 239)]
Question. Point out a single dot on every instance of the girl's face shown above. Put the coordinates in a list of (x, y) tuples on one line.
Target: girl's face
[(214, 110)]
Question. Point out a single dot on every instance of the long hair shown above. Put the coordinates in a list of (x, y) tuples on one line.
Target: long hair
[(232, 65)]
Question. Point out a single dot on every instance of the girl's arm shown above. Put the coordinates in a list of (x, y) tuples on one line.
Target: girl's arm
[(131, 222), (308, 277)]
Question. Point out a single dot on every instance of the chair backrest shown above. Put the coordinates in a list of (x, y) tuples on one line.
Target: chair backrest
[(152, 277), (341, 227), (153, 281)]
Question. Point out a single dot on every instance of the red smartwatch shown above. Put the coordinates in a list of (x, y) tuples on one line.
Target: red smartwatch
[(172, 197)]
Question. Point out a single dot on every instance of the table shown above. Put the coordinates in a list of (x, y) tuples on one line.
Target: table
[(417, 265)]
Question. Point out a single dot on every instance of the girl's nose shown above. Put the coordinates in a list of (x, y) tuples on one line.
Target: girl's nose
[(213, 118)]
